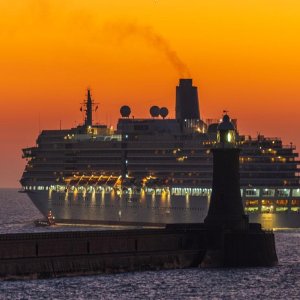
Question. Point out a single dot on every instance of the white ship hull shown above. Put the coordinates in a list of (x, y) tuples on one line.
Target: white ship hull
[(140, 209), (126, 208)]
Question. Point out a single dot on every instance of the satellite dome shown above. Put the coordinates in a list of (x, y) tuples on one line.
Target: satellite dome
[(226, 118), (163, 112), (226, 124), (125, 111), (154, 111)]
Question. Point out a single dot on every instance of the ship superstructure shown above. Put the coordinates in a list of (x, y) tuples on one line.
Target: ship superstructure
[(156, 170)]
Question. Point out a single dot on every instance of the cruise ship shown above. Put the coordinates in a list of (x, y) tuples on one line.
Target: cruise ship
[(155, 171)]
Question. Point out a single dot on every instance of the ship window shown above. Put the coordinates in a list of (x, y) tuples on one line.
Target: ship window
[(251, 209), (282, 202), (252, 193), (196, 192), (282, 209), (296, 193), (283, 192), (205, 192), (295, 202), (267, 202), (268, 192), (176, 191), (251, 203), (158, 191), (295, 209), (267, 209), (186, 191)]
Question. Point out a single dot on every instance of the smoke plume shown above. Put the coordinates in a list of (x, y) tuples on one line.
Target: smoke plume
[(124, 30)]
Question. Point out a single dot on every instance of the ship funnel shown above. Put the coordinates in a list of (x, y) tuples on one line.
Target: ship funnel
[(187, 106)]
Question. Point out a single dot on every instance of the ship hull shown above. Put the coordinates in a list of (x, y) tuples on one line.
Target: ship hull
[(140, 209)]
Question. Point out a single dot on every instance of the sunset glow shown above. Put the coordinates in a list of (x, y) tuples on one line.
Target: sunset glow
[(242, 55)]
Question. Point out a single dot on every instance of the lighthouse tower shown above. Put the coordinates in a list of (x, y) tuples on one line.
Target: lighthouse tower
[(226, 205), (231, 240)]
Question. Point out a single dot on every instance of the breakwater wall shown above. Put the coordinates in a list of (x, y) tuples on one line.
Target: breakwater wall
[(53, 254)]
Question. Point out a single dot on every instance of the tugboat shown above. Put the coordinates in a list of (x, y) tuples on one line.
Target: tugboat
[(50, 221)]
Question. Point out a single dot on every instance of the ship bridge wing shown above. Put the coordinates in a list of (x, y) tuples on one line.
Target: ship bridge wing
[(29, 152)]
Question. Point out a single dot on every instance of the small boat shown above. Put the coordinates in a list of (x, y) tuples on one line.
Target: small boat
[(50, 221)]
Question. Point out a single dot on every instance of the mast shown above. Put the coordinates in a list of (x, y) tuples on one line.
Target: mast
[(88, 108)]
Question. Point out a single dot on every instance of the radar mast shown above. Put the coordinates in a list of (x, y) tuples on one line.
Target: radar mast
[(88, 107)]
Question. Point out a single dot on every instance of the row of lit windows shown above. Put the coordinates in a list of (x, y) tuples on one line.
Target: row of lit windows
[(272, 192), (268, 209), (285, 202), (36, 188), (190, 191), (182, 191)]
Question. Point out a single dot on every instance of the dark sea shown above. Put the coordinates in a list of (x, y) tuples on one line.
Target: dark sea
[(17, 214)]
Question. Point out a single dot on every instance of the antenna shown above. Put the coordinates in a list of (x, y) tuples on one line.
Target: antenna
[(39, 123)]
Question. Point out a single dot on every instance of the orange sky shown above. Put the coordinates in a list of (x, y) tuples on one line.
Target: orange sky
[(242, 55)]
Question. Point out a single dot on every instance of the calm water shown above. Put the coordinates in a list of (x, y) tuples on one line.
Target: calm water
[(283, 281)]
